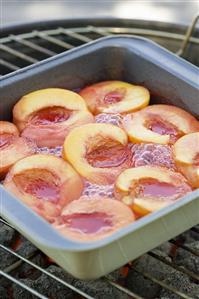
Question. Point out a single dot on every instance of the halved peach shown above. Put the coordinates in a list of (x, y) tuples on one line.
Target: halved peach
[(93, 219), (147, 189), (115, 97), (162, 124), (186, 155), (99, 152), (45, 183), (47, 115), (12, 147)]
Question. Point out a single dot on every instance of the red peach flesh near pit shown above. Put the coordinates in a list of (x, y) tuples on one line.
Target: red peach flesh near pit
[(155, 188), (164, 128), (34, 185), (114, 96), (87, 223), (105, 157), (196, 160), (50, 115), (6, 140)]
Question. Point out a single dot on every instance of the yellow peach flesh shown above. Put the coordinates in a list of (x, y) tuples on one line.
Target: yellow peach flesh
[(186, 153), (117, 215), (136, 123), (131, 97), (57, 175), (127, 181), (85, 138)]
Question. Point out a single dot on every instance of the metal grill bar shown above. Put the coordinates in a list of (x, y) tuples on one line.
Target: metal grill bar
[(188, 35), (9, 65), (173, 265), (18, 54), (111, 282), (46, 272), (6, 223), (124, 290), (109, 30), (21, 284), (98, 30), (32, 45), (194, 252), (162, 284), (75, 35), (54, 40)]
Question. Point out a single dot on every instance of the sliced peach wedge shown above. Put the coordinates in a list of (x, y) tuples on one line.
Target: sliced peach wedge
[(12, 147), (162, 124), (99, 152), (115, 97), (89, 219), (45, 183), (147, 189), (186, 155), (48, 115)]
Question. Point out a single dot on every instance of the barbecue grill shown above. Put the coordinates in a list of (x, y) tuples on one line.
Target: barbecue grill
[(169, 271)]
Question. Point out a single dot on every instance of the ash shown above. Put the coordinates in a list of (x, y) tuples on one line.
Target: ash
[(134, 280)]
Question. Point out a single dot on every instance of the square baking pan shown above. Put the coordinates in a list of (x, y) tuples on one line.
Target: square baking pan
[(171, 80)]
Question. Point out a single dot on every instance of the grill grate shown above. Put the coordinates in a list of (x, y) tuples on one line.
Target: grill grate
[(159, 258), (28, 48), (25, 49)]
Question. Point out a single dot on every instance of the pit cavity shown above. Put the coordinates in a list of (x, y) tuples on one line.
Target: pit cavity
[(114, 96), (154, 188), (87, 223), (50, 115), (164, 128), (106, 156), (39, 183), (5, 140)]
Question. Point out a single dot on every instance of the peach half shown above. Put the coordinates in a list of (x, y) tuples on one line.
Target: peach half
[(115, 97), (147, 189), (162, 124), (45, 183), (12, 147), (186, 155), (99, 152), (48, 115), (88, 219)]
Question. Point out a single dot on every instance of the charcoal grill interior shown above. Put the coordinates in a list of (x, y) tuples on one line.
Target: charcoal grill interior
[(169, 271)]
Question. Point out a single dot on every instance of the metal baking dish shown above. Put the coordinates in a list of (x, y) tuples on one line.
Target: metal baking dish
[(170, 79)]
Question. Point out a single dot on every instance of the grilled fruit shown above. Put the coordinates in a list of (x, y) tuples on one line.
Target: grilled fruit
[(93, 219), (45, 183), (186, 155), (99, 152), (162, 124), (115, 97), (48, 115), (147, 189), (12, 147)]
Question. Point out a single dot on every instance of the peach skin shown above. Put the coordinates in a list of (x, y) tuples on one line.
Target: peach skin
[(12, 147), (162, 124), (45, 183), (115, 97), (48, 115), (147, 189), (89, 219), (99, 152), (186, 156)]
